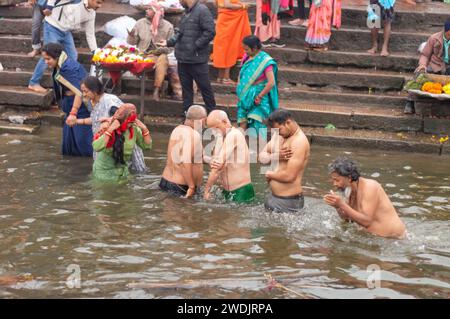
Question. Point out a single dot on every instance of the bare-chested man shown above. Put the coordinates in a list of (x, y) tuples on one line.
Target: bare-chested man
[(365, 201), (290, 148), (184, 169), (231, 160)]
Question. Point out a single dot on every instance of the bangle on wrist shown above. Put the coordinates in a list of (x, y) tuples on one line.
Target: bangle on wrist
[(145, 133), (73, 113), (108, 133)]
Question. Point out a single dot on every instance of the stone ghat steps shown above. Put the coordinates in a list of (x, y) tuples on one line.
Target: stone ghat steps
[(345, 39), (309, 114), (420, 17), (20, 97), (346, 86), (284, 56)]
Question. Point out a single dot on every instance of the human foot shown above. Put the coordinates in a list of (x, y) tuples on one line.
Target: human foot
[(373, 50), (228, 81), (305, 23), (384, 52), (156, 94), (296, 22), (37, 88), (33, 53)]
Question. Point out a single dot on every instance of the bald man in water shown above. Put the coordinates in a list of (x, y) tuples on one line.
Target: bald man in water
[(365, 201), (183, 173), (231, 160)]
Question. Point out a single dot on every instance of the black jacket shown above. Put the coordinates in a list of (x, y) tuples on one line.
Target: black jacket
[(196, 31)]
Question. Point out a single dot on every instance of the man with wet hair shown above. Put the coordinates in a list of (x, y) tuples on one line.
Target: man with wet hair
[(364, 201), (289, 149), (183, 173), (230, 162)]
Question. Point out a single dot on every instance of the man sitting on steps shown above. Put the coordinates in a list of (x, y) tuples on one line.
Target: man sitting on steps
[(434, 58), (146, 33)]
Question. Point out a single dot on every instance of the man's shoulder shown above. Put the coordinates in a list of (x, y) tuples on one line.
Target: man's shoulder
[(167, 23), (142, 21), (202, 8)]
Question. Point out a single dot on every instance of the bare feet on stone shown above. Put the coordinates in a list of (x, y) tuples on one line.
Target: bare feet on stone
[(37, 88), (156, 94), (296, 22), (33, 53), (372, 51), (384, 52)]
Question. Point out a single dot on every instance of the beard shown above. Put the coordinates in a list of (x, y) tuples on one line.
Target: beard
[(345, 192)]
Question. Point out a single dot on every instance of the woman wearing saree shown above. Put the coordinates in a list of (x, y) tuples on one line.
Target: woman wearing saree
[(322, 16), (100, 104), (231, 28), (116, 143), (257, 88), (67, 77)]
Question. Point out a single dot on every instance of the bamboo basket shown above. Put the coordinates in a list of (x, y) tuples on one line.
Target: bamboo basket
[(443, 79)]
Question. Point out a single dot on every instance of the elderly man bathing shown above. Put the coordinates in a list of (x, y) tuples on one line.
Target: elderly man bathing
[(365, 203), (184, 169), (231, 160)]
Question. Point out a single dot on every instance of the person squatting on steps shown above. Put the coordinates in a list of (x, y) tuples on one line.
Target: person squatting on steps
[(434, 59), (64, 18), (146, 33)]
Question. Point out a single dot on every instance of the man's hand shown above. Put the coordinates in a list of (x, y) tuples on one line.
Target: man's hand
[(216, 164), (47, 12), (285, 153), (190, 192), (71, 120), (334, 200), (420, 69), (269, 176), (162, 43), (131, 32)]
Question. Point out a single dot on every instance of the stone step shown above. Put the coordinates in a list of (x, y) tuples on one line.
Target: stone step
[(310, 114), (21, 78), (20, 97), (318, 76), (10, 128), (345, 39)]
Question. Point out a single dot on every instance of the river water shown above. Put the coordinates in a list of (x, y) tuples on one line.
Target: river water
[(133, 241)]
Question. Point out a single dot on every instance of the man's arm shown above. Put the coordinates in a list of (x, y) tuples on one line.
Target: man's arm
[(197, 159), (90, 34), (187, 167), (369, 206), (133, 36), (264, 156), (425, 56), (207, 26), (293, 167)]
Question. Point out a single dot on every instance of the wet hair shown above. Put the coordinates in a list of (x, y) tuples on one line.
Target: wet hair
[(54, 50), (94, 85), (279, 116), (117, 147), (253, 42), (344, 166)]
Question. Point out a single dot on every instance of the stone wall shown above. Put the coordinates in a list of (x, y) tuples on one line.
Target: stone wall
[(10, 2)]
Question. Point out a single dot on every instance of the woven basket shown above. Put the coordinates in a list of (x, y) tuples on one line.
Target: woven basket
[(443, 79)]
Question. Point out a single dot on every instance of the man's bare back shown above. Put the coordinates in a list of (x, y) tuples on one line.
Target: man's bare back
[(372, 198)]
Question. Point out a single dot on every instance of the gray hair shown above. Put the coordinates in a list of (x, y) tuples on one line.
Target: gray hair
[(196, 112), (344, 166)]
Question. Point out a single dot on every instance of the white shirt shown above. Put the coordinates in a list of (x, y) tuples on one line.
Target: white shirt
[(74, 17)]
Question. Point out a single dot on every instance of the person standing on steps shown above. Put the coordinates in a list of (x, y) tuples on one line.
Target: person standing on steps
[(323, 15), (302, 19), (146, 33), (191, 44), (231, 28), (66, 17), (385, 9), (268, 25)]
